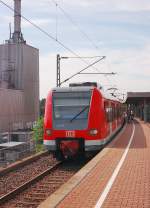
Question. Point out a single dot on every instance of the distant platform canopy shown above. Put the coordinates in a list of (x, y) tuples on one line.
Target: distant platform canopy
[(139, 102), (137, 97)]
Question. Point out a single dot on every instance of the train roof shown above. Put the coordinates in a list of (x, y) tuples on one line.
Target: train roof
[(72, 89), (86, 89)]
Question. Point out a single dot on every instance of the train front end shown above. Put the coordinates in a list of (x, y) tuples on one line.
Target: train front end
[(72, 121), (66, 122)]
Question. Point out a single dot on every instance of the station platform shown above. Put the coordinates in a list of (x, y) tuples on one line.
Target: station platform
[(119, 176)]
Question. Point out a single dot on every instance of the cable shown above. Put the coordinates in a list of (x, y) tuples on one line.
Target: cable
[(56, 21), (83, 70), (39, 28), (72, 21), (45, 32), (87, 37)]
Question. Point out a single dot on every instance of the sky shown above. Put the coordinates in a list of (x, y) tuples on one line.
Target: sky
[(119, 30)]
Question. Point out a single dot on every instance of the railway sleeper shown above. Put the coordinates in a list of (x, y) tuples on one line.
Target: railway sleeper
[(36, 194), (43, 186), (41, 190), (26, 204), (30, 199), (55, 182)]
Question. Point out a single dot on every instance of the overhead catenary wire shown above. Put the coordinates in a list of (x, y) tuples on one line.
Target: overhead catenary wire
[(46, 33), (80, 72), (84, 34), (81, 31), (67, 15), (56, 21), (51, 37), (40, 29), (85, 57), (75, 24)]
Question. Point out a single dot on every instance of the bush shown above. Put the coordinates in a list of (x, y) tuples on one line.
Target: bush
[(38, 131)]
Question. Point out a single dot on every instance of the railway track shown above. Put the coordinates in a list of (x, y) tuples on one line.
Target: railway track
[(20, 173), (21, 188), (34, 191)]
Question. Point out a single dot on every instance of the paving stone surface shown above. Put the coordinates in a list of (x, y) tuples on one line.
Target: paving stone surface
[(131, 188), (132, 185)]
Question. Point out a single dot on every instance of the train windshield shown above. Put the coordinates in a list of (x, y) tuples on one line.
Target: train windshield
[(70, 109)]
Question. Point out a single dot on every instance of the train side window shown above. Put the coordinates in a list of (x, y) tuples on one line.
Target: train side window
[(116, 112), (110, 109), (113, 113), (106, 111), (109, 112)]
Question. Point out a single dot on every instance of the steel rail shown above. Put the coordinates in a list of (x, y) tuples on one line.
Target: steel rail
[(21, 188)]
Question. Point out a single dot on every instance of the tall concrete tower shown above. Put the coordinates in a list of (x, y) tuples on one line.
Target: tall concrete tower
[(17, 35), (19, 74)]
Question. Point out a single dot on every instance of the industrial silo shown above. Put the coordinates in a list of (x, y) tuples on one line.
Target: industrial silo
[(19, 79)]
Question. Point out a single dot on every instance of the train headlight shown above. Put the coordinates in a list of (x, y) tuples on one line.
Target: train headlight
[(48, 132), (93, 132)]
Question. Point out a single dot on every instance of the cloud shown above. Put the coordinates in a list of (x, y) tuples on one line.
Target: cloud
[(111, 5), (119, 28)]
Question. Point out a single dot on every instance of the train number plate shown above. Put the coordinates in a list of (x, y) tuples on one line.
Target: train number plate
[(70, 133)]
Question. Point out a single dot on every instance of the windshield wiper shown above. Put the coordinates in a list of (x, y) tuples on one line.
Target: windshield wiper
[(79, 113)]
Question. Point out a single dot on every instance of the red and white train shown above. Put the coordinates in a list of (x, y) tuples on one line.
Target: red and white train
[(80, 119)]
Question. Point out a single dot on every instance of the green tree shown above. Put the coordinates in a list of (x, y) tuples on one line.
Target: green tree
[(42, 106), (38, 131)]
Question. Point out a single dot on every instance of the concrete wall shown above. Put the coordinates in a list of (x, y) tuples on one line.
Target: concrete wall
[(11, 109), (30, 82), (19, 71)]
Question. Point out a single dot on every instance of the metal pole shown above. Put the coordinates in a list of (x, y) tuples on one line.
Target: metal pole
[(58, 71)]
